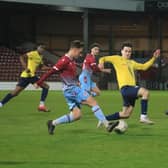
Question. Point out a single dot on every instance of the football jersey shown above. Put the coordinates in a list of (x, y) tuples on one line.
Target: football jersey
[(125, 68), (33, 62), (90, 64), (68, 71)]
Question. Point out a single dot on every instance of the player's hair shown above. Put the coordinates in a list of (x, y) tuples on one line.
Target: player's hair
[(94, 45), (76, 44), (126, 44)]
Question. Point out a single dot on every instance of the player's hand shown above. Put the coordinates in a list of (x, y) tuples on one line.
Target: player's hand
[(101, 66), (156, 54), (35, 85)]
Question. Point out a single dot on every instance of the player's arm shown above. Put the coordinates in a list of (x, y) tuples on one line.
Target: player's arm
[(23, 61), (44, 67), (148, 64), (96, 68), (59, 66), (106, 70), (44, 77), (104, 59)]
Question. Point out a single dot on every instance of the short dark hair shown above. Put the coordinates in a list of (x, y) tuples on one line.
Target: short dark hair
[(76, 44), (94, 45), (126, 44)]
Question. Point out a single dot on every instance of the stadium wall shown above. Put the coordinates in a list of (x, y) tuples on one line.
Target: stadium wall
[(11, 86)]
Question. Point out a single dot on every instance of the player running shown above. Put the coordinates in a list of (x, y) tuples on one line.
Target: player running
[(89, 67), (30, 61), (125, 68), (74, 95)]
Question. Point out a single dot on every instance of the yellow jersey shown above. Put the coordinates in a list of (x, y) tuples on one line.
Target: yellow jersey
[(33, 62), (125, 68)]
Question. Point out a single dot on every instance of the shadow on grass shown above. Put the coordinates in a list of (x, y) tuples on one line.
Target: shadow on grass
[(43, 163), (12, 162)]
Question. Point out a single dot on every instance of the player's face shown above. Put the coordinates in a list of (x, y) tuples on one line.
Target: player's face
[(95, 51), (40, 49), (126, 52), (77, 52)]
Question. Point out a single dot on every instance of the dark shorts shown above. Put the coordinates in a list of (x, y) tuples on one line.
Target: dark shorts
[(129, 95), (24, 82)]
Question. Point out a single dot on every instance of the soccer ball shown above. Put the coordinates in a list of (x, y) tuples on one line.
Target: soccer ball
[(121, 127)]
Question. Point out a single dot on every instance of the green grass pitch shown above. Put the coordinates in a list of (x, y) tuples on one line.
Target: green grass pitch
[(25, 143)]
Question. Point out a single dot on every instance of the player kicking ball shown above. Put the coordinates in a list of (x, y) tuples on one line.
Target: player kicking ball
[(74, 95), (125, 68), (30, 61)]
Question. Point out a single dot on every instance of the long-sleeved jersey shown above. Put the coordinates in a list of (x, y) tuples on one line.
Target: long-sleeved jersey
[(66, 67), (125, 68)]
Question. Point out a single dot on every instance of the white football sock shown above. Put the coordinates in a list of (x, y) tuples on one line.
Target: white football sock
[(41, 103), (143, 116), (1, 104)]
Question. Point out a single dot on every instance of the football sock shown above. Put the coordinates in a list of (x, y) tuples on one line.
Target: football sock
[(41, 103), (64, 119), (144, 106), (7, 98), (1, 104), (98, 113), (44, 94), (114, 116)]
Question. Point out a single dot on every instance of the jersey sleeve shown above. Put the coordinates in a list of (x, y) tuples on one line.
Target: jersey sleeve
[(58, 67), (145, 66), (110, 59), (30, 54), (61, 64), (94, 65)]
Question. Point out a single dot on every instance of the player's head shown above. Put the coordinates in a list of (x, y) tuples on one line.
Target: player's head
[(41, 48), (126, 50), (76, 48), (95, 49)]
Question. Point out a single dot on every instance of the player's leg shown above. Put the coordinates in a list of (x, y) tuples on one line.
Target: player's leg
[(124, 114), (144, 94), (44, 93), (74, 115), (95, 91), (128, 106), (84, 80), (90, 101), (23, 82)]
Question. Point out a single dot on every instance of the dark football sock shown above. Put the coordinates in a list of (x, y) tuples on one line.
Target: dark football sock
[(114, 116), (7, 98)]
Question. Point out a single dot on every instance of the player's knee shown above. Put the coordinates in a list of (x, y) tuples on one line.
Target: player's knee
[(47, 86), (77, 114), (14, 94), (145, 93)]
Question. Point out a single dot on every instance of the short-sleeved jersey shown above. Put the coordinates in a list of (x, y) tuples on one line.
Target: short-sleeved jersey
[(90, 64), (68, 71), (125, 68), (33, 62)]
